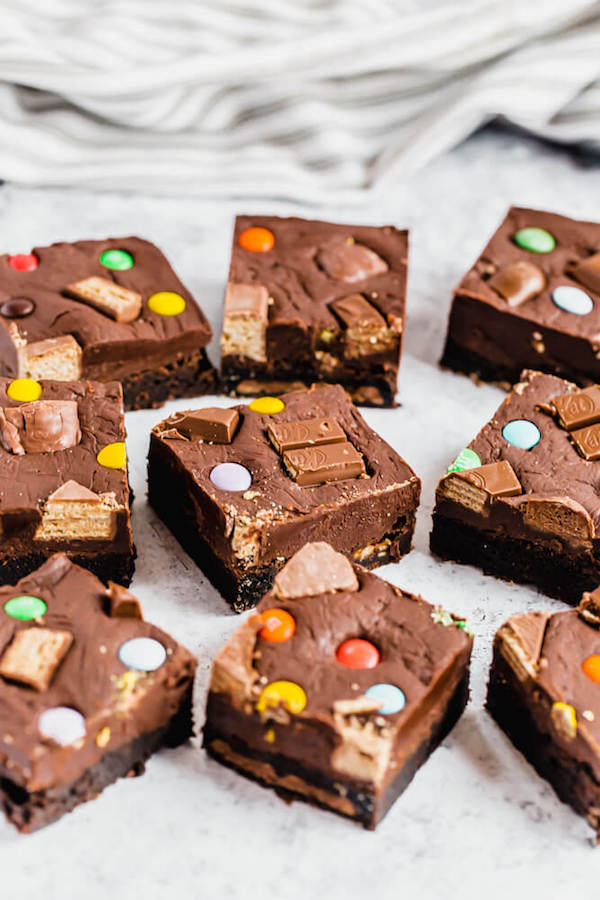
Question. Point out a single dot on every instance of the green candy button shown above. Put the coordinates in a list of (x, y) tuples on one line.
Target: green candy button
[(116, 259), (25, 608), (536, 240), (466, 459)]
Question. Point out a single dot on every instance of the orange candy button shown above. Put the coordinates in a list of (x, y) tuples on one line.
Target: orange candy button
[(278, 625), (591, 667), (259, 240)]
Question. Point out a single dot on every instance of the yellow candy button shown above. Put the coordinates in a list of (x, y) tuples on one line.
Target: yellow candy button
[(25, 389), (166, 303), (113, 456), (284, 693), (267, 405)]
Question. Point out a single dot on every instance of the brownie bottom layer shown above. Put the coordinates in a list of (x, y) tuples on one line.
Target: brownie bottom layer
[(187, 376), (562, 575), (367, 390), (117, 567), (572, 781), (30, 811), (354, 799), (243, 591)]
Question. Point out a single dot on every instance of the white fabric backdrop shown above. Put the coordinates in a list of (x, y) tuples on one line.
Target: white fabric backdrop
[(318, 101)]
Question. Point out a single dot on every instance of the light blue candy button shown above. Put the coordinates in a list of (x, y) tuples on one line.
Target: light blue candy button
[(521, 433), (392, 698), (572, 300)]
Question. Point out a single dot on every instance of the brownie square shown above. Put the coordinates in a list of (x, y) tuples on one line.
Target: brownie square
[(88, 691), (311, 301), (63, 478), (532, 300), (338, 688), (544, 692), (103, 310), (522, 500), (285, 471)]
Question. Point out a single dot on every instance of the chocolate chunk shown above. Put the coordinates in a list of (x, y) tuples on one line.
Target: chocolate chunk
[(245, 322), (109, 298), (578, 408), (42, 426), (497, 479), (356, 312), (34, 656), (210, 424), (17, 308), (529, 630), (587, 441), (72, 490), (518, 282), (307, 432), (318, 465), (121, 603), (349, 261), (315, 569), (587, 272), (57, 358)]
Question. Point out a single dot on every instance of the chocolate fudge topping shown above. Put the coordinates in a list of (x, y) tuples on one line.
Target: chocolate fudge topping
[(300, 697)]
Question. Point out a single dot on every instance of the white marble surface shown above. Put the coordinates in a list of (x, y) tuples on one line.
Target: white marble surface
[(476, 819)]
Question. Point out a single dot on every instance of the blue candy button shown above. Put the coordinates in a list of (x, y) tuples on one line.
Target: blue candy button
[(572, 300), (521, 433), (392, 698)]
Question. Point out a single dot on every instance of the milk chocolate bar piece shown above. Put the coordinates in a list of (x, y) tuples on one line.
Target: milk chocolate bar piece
[(42, 426), (330, 462), (530, 301), (245, 322), (310, 432), (121, 304), (56, 358), (578, 408), (545, 529), (356, 312), (210, 424), (286, 706), (122, 603), (85, 697)]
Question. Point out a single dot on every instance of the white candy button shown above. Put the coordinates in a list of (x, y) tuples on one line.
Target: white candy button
[(143, 654), (62, 724), (572, 300)]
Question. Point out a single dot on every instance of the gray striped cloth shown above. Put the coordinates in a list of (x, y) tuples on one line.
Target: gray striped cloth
[(319, 101)]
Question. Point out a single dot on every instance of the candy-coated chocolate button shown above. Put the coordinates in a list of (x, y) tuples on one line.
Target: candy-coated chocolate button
[(113, 456), (142, 654), (391, 697), (358, 654), (23, 262), (278, 625), (521, 433), (25, 608), (24, 389), (466, 459), (231, 477), (166, 303), (572, 300), (17, 307), (591, 667), (259, 240), (536, 240), (62, 724), (268, 406), (282, 693), (120, 260)]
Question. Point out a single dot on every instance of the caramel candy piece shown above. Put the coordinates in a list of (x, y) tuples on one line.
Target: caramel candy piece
[(349, 261), (318, 465), (57, 359), (315, 569), (42, 426), (587, 441), (245, 322), (73, 512), (587, 272), (518, 282), (211, 424), (497, 479), (121, 603), (34, 656), (589, 607), (109, 298), (367, 331), (304, 433), (578, 408)]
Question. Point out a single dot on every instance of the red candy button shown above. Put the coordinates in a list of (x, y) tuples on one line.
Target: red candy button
[(358, 654), (278, 625), (259, 240), (23, 262)]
